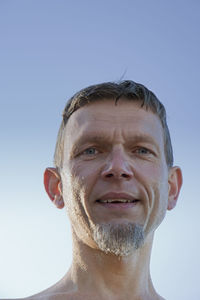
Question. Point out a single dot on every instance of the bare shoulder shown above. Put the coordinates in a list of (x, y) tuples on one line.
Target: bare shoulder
[(44, 296), (58, 291), (47, 295), (61, 296), (56, 295)]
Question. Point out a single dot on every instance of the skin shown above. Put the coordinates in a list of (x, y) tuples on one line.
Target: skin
[(111, 148)]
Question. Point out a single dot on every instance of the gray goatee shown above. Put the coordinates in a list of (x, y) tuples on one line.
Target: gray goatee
[(118, 239)]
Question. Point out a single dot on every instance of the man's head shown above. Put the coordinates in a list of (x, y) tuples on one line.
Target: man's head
[(127, 90), (114, 166)]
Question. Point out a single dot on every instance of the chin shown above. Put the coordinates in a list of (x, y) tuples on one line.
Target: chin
[(118, 238)]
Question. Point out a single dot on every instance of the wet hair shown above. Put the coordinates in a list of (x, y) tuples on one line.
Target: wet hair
[(128, 90)]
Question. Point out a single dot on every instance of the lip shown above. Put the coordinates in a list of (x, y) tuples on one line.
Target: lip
[(118, 206), (117, 195)]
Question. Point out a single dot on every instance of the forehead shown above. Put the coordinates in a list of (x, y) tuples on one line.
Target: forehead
[(104, 117)]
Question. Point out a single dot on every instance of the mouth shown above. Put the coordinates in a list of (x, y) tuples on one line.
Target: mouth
[(117, 200)]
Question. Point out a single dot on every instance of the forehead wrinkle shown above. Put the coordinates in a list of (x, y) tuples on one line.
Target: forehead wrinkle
[(102, 138), (116, 114), (86, 120)]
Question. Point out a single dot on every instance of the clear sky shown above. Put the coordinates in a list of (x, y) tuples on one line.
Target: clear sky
[(49, 50)]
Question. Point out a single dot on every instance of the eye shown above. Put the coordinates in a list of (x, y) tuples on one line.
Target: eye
[(90, 151), (143, 151)]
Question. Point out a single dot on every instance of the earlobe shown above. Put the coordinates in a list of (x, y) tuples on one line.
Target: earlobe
[(53, 186), (175, 182)]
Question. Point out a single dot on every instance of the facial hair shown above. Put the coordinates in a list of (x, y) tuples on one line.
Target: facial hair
[(118, 239)]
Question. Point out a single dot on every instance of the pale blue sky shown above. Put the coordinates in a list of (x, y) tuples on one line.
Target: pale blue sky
[(49, 50)]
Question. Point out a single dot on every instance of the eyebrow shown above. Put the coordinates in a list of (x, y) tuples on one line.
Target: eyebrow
[(87, 139), (103, 139), (143, 138)]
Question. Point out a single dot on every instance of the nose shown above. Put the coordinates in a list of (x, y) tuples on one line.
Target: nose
[(117, 166)]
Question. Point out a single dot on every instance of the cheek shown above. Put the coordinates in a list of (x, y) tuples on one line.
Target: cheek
[(154, 178), (73, 195), (72, 188), (159, 187), (154, 173), (84, 169), (77, 181), (84, 177), (73, 177), (158, 202)]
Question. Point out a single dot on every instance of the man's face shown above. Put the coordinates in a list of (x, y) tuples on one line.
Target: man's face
[(114, 168)]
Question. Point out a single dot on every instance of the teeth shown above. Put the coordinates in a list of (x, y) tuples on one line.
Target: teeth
[(116, 200)]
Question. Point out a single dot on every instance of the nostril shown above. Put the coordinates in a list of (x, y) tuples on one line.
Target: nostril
[(109, 175), (117, 173), (125, 175), (122, 175)]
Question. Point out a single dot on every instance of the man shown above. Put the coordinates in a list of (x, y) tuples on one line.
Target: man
[(114, 174)]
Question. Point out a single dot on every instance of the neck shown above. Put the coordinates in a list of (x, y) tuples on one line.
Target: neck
[(108, 276)]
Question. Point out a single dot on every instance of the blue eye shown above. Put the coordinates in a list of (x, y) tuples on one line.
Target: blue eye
[(142, 151), (90, 151)]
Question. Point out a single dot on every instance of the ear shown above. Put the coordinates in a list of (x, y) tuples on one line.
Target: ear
[(175, 182), (53, 186)]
